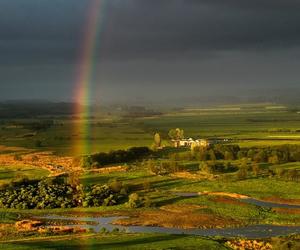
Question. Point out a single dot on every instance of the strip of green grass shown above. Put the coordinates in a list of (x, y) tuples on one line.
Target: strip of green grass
[(118, 241)]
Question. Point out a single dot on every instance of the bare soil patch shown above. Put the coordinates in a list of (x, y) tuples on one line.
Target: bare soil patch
[(56, 165), (282, 200), (227, 200), (12, 149), (287, 210), (194, 176), (225, 194)]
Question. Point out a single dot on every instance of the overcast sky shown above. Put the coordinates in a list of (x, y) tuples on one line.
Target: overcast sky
[(150, 49)]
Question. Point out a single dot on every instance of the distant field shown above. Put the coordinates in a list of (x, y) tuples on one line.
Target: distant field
[(62, 138), (247, 125), (7, 174)]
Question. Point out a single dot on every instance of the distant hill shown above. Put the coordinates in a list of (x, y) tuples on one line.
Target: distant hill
[(31, 109)]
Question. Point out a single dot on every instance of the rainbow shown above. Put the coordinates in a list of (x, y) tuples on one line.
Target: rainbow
[(85, 74)]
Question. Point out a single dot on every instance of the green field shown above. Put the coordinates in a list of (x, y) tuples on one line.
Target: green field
[(250, 125), (117, 241), (256, 126), (8, 174)]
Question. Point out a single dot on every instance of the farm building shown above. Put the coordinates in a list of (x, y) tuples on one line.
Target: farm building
[(190, 142)]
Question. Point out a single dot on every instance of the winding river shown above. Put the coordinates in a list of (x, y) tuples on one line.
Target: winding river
[(250, 231)]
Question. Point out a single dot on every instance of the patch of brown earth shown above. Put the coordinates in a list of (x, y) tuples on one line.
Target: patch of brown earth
[(287, 210), (38, 226), (12, 149), (227, 200), (191, 176), (4, 226), (177, 220), (28, 225), (282, 200), (56, 165), (231, 195), (61, 229)]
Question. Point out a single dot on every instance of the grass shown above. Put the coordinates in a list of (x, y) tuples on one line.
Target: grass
[(9, 173), (254, 187), (63, 138), (250, 126), (117, 241)]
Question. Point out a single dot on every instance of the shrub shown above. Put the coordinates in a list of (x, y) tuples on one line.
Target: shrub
[(119, 156), (115, 185), (242, 173), (134, 201), (46, 194)]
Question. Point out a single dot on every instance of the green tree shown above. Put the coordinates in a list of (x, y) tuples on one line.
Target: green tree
[(176, 134), (134, 201)]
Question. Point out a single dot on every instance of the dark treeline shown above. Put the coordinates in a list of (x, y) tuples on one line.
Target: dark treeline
[(27, 109), (115, 157), (272, 154), (40, 125)]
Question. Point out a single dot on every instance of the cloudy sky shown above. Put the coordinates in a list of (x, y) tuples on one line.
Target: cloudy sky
[(150, 49)]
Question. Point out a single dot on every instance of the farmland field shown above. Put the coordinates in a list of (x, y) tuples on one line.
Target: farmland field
[(246, 125), (171, 189)]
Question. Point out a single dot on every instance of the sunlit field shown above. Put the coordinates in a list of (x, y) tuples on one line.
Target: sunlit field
[(152, 190), (246, 126)]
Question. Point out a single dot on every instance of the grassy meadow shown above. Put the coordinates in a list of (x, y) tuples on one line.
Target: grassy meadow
[(252, 125), (258, 126)]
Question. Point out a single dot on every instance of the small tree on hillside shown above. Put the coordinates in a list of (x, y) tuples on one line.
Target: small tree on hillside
[(176, 134), (157, 141)]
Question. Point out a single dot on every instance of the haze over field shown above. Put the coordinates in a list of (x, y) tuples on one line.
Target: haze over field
[(154, 51)]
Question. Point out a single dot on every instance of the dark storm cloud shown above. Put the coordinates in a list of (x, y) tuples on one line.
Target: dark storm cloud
[(46, 30), (178, 26), (205, 43)]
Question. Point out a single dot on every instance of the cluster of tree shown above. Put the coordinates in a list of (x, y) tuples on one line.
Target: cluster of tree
[(215, 168), (40, 125), (42, 194), (114, 157), (136, 201), (288, 174), (176, 134), (162, 167), (274, 155)]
